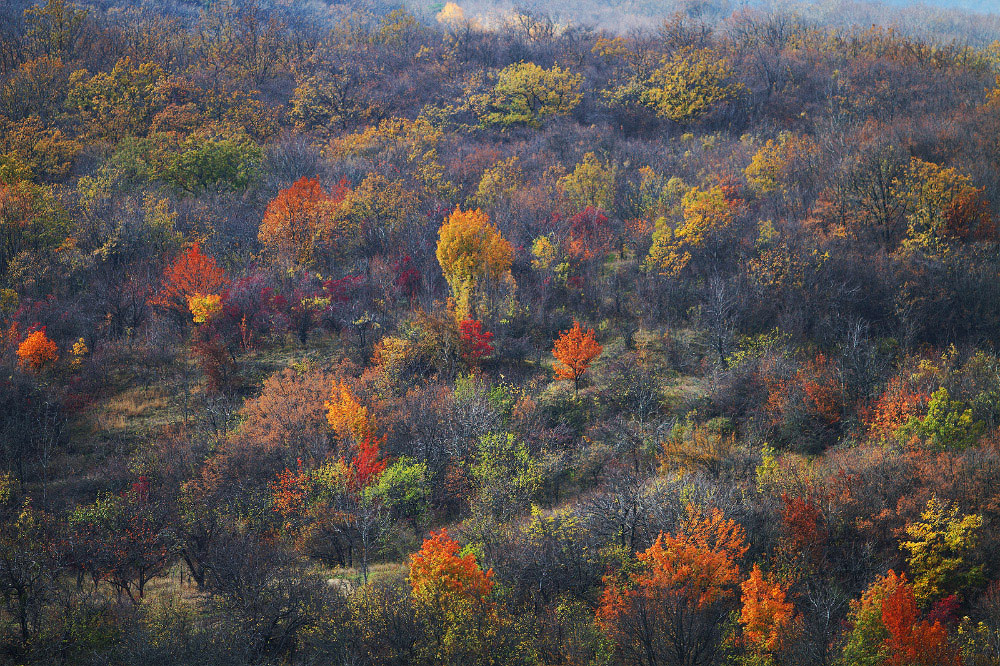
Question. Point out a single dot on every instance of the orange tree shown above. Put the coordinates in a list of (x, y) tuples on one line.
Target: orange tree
[(299, 217), (574, 351), (37, 351), (767, 616), (452, 600), (191, 275), (673, 607)]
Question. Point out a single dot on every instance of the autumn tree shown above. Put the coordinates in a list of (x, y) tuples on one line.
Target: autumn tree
[(37, 351), (471, 251), (452, 600), (475, 341), (707, 214), (886, 629), (591, 184), (31, 223), (192, 274), (574, 351), (939, 547), (941, 206), (687, 85), (672, 609), (300, 219), (767, 616), (347, 416), (526, 94)]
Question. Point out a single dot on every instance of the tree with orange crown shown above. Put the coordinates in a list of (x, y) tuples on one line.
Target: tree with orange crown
[(451, 596), (767, 616), (37, 351), (574, 351), (192, 275), (672, 608), (299, 217)]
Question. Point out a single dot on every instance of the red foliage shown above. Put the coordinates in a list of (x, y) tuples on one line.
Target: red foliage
[(589, 234), (475, 341), (913, 642), (192, 273), (367, 464), (804, 530)]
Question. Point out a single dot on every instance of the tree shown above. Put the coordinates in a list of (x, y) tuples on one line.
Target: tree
[(347, 416), (591, 184), (574, 351), (37, 351), (452, 601), (672, 609), (941, 206), (300, 218), (939, 546), (31, 222), (766, 615), (886, 629), (707, 214), (475, 341), (526, 94), (192, 274), (471, 250), (688, 85)]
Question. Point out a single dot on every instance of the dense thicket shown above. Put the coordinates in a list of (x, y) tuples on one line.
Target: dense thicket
[(348, 335)]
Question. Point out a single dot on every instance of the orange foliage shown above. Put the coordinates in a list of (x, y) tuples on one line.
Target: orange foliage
[(437, 571), (899, 402), (295, 219), (37, 350), (767, 616), (192, 274), (346, 415), (574, 351), (698, 565), (912, 642)]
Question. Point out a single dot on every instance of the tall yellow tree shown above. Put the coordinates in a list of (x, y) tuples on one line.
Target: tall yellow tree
[(706, 214), (471, 250)]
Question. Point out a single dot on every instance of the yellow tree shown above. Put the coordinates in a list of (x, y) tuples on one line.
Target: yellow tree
[(471, 250), (526, 94), (687, 85), (941, 205), (347, 416), (706, 214), (939, 545), (574, 351)]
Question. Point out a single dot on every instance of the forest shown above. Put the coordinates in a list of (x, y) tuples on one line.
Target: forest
[(365, 335)]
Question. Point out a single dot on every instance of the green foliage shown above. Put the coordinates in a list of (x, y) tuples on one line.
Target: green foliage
[(403, 489), (948, 425), (205, 162), (505, 474), (526, 94)]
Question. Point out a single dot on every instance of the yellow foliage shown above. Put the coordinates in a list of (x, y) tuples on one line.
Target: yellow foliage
[(346, 415), (469, 250), (203, 306), (592, 183), (706, 214), (526, 94)]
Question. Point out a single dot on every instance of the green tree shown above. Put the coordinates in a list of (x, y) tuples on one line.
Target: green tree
[(526, 94)]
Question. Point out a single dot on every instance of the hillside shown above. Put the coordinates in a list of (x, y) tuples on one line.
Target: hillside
[(339, 333)]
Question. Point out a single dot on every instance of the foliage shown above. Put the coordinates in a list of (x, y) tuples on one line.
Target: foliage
[(939, 547), (707, 214), (574, 351), (192, 274), (471, 250), (37, 351), (526, 94)]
